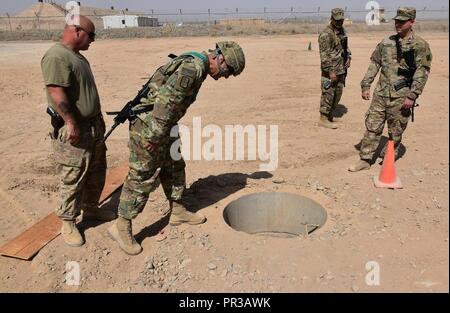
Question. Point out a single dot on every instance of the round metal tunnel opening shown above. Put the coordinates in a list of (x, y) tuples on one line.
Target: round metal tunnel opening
[(275, 213)]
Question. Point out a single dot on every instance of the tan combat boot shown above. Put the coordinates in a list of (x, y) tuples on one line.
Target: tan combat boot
[(361, 165), (99, 214), (71, 235), (121, 231), (325, 122), (180, 215)]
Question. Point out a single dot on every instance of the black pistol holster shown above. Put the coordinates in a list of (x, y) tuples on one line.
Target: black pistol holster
[(56, 121)]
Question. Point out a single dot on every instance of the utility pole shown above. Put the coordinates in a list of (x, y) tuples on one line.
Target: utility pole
[(9, 21)]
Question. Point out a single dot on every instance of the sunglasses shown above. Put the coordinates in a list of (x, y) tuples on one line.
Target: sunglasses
[(90, 34)]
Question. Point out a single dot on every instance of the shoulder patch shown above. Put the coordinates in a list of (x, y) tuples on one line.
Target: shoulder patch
[(189, 72), (426, 59), (186, 77), (184, 82)]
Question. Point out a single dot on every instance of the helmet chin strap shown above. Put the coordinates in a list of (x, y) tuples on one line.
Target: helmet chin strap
[(216, 58)]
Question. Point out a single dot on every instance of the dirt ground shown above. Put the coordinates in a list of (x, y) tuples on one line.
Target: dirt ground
[(404, 231)]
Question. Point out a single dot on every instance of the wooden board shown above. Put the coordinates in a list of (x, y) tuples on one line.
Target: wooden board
[(30, 242), (114, 180)]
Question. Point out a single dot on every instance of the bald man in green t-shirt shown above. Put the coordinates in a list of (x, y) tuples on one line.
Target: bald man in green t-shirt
[(78, 128)]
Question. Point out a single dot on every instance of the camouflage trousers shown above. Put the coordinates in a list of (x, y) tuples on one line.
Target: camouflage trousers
[(381, 110), (82, 168), (142, 174), (330, 97)]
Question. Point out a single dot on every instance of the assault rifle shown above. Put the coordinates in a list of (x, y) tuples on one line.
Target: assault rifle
[(408, 76), (127, 112), (344, 41)]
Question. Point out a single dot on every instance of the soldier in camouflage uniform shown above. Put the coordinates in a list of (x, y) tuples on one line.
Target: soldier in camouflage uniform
[(78, 128), (334, 61), (404, 60), (173, 88)]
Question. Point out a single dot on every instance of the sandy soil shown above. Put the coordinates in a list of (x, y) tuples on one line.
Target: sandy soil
[(405, 231)]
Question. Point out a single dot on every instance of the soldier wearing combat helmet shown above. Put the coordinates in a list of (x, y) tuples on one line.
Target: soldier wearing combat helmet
[(173, 88)]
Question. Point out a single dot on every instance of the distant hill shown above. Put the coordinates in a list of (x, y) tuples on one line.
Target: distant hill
[(42, 10), (51, 16)]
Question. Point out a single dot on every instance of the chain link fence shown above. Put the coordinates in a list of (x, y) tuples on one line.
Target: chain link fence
[(217, 22)]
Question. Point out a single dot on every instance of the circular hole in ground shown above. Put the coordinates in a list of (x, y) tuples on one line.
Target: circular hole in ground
[(278, 214)]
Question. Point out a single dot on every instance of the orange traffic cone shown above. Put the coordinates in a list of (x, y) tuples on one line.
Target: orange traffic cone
[(388, 176)]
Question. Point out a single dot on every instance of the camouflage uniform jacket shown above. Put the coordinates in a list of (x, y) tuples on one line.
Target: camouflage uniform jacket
[(385, 57), (173, 88), (332, 50)]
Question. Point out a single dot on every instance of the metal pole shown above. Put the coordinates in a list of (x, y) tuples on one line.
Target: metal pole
[(318, 19), (9, 21), (38, 22)]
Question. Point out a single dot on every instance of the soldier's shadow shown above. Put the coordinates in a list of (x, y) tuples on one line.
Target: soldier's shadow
[(209, 190), (339, 110), (381, 145), (203, 193)]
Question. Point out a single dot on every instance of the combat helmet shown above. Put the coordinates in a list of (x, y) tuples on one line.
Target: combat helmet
[(233, 54)]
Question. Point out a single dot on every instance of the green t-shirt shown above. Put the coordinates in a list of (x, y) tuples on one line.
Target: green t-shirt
[(63, 67)]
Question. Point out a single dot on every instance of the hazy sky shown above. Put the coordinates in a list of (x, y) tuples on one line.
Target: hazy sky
[(15, 6)]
